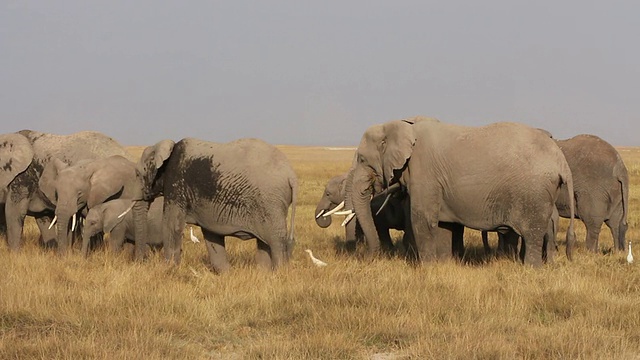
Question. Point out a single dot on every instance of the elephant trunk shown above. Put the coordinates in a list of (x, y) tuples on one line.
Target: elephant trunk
[(323, 207), (63, 229), (140, 210), (360, 188)]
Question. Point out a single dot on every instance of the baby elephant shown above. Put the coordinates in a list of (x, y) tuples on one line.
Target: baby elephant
[(103, 218)]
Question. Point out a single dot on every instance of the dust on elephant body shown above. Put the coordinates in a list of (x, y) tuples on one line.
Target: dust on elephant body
[(243, 188), (499, 176)]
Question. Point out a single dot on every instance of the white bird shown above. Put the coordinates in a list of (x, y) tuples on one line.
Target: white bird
[(193, 237), (630, 255), (316, 261)]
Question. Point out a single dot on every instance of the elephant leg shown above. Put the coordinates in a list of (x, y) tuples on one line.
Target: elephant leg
[(618, 227), (173, 223), (485, 242), (509, 242), (386, 244), (217, 252), (457, 240), (550, 248), (15, 212), (593, 226), (47, 236), (117, 238), (532, 242), (263, 255)]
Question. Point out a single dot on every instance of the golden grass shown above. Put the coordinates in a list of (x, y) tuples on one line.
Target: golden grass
[(109, 307)]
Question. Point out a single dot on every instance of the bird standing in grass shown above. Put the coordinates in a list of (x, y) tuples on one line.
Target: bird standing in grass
[(316, 261), (630, 255), (193, 237)]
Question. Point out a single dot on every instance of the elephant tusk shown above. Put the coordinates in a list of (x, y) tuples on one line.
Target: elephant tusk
[(126, 211), (337, 208), (73, 223), (53, 222), (386, 200), (320, 213), (344, 212), (346, 221)]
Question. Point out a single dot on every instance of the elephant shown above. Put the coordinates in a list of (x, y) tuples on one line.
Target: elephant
[(601, 188), (242, 188), (391, 217), (86, 184), (23, 157), (105, 218), (502, 176)]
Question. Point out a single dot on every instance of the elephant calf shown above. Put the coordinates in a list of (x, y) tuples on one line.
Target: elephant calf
[(103, 218)]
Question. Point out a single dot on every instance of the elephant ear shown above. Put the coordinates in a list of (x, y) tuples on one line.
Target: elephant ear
[(110, 212), (16, 154), (47, 182), (397, 146), (154, 157), (110, 179)]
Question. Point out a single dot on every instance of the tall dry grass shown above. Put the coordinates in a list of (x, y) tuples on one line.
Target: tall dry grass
[(109, 307)]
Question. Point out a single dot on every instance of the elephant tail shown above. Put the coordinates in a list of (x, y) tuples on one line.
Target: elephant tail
[(567, 179), (623, 179), (293, 184)]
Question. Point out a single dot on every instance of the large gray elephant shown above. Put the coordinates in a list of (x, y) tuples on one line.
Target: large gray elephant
[(392, 216), (601, 188), (23, 157), (243, 188), (105, 218), (495, 177), (88, 183)]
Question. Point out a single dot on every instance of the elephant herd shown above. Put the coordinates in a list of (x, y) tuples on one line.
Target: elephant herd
[(425, 177)]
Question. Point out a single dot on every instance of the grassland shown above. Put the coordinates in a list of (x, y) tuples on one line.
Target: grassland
[(485, 308)]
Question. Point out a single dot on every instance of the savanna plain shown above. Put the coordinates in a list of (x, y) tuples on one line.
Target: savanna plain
[(484, 307)]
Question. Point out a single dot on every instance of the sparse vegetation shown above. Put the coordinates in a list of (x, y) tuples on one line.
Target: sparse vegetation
[(109, 307)]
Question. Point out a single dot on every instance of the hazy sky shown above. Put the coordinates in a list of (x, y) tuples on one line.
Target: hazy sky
[(317, 73)]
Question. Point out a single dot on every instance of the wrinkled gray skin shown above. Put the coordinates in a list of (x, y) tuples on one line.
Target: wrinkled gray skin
[(455, 177), (23, 157), (601, 188), (243, 188), (391, 217), (84, 185), (508, 241), (103, 218)]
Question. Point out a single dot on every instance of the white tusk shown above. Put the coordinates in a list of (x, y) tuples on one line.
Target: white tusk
[(320, 213), (126, 211), (344, 212), (386, 200), (53, 222), (346, 221), (73, 223), (337, 208)]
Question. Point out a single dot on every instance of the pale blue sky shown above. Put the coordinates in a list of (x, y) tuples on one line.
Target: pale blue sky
[(317, 73)]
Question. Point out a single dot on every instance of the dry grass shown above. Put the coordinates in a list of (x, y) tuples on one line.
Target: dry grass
[(109, 307)]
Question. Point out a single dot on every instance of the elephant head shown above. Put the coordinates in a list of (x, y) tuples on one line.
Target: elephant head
[(85, 184), (16, 154), (104, 217), (382, 157), (150, 177), (332, 198)]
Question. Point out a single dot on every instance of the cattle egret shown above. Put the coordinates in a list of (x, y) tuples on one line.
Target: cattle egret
[(316, 261), (629, 255), (193, 237)]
